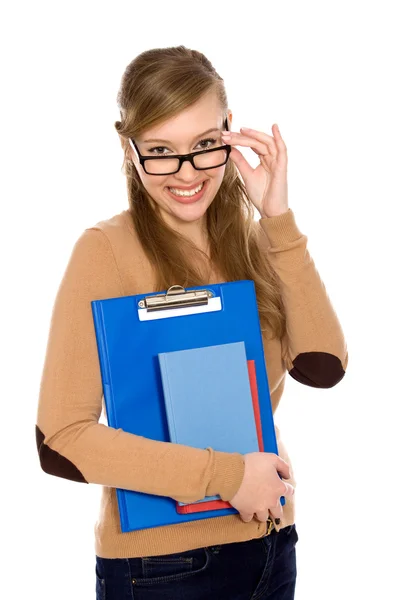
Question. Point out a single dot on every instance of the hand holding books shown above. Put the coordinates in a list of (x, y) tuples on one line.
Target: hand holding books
[(262, 487)]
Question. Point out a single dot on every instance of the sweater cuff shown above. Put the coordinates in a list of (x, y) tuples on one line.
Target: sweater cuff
[(228, 475), (281, 229)]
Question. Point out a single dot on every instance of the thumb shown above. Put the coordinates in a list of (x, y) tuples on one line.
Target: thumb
[(245, 169)]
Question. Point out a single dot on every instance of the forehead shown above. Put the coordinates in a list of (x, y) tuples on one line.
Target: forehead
[(205, 114)]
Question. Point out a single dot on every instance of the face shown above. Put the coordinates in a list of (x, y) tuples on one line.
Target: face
[(184, 134)]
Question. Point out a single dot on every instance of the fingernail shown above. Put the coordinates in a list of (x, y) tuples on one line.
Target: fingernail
[(278, 521)]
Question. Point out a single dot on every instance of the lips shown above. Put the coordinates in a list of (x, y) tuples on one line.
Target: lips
[(188, 199), (186, 188)]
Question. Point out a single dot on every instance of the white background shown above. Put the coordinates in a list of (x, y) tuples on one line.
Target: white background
[(327, 74)]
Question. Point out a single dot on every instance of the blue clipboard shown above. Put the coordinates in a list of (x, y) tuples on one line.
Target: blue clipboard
[(131, 331)]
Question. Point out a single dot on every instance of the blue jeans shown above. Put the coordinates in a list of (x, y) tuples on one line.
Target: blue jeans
[(259, 569)]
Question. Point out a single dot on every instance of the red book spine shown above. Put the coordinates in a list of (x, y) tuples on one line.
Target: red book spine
[(256, 406)]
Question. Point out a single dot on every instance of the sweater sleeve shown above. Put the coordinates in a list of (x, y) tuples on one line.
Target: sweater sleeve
[(313, 349), (71, 442)]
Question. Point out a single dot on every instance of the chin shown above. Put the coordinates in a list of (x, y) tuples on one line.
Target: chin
[(189, 214)]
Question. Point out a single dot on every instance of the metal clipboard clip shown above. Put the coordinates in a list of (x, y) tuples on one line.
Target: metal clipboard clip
[(177, 302)]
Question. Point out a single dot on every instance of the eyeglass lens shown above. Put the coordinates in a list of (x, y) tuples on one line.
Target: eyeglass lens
[(201, 161)]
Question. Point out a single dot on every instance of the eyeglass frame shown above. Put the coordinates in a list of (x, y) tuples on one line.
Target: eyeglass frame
[(183, 157)]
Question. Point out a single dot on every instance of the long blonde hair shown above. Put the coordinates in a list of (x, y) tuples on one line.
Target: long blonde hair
[(157, 85)]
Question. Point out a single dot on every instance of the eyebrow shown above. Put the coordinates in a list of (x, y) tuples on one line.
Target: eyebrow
[(169, 142)]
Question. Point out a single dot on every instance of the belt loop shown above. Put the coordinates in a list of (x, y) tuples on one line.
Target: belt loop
[(270, 525)]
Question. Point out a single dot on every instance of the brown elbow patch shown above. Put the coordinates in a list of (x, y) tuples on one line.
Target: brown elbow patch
[(54, 463), (317, 369)]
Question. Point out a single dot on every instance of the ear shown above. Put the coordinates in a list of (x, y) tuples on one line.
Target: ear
[(230, 119)]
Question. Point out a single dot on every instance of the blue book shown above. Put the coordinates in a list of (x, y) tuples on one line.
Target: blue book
[(208, 399)]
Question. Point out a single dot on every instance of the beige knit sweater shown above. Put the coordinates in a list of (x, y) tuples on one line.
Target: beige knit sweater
[(108, 261)]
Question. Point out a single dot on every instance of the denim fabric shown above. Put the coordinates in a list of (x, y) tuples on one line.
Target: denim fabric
[(259, 569)]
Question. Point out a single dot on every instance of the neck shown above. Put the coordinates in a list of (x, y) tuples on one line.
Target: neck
[(195, 232)]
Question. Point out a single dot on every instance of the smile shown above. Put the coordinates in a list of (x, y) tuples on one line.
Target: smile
[(187, 193), (188, 196)]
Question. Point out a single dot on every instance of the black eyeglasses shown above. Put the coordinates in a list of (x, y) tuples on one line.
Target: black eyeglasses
[(167, 165)]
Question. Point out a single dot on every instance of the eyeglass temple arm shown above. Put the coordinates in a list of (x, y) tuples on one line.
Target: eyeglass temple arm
[(133, 147)]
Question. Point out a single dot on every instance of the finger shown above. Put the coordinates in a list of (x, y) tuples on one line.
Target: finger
[(277, 511), (245, 169), (237, 139), (262, 516), (290, 490), (258, 135), (268, 140), (246, 517), (282, 467), (277, 139)]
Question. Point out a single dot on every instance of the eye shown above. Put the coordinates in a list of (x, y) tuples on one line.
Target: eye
[(211, 142), (204, 145), (157, 150)]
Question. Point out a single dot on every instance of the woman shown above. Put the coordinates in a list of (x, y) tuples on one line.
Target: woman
[(190, 222)]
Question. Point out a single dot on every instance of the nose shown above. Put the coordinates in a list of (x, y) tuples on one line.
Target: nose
[(187, 172)]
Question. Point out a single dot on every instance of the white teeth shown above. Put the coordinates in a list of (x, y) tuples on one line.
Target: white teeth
[(187, 193)]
